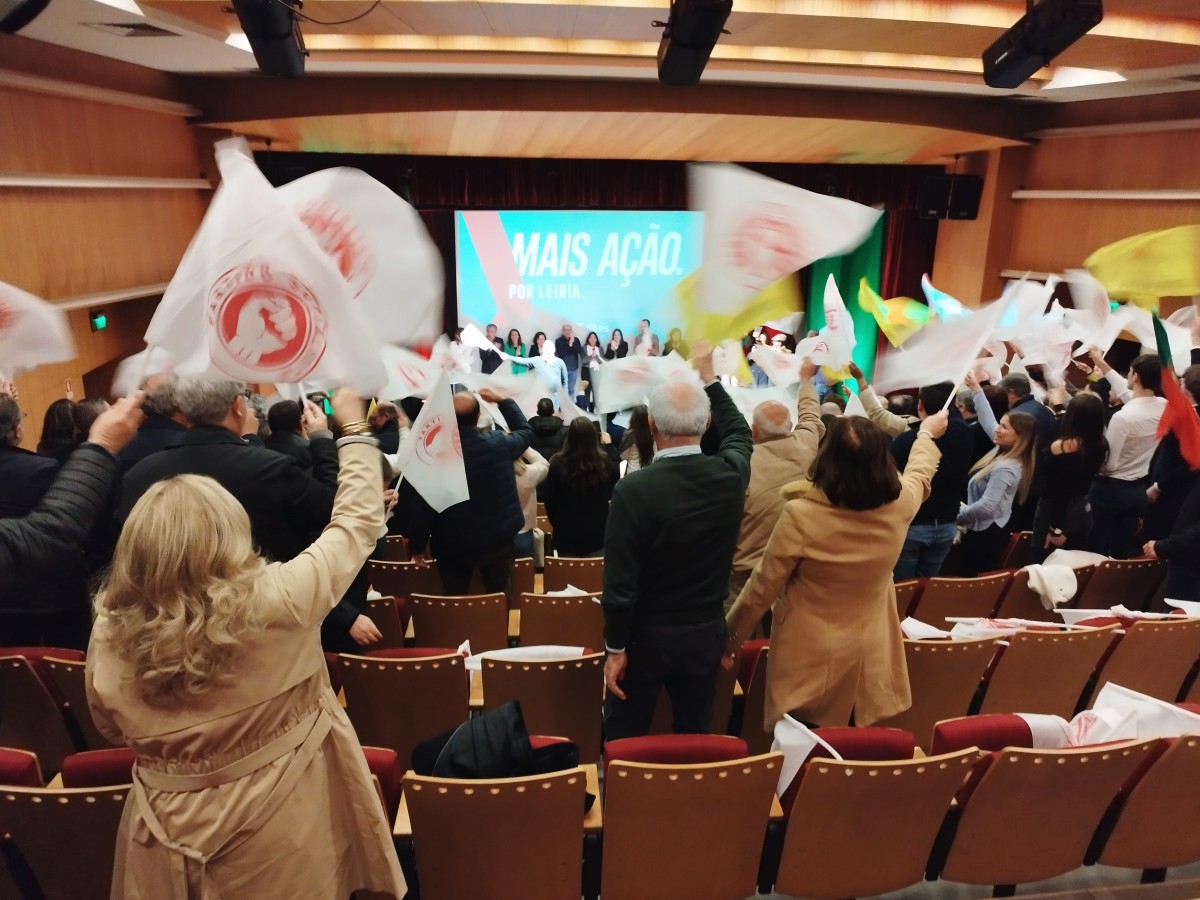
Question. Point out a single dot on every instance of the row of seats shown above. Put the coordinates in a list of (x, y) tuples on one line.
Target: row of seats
[(1134, 583), (987, 809), (403, 579)]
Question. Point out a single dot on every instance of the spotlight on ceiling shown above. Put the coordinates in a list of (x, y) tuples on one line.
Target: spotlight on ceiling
[(1046, 30), (689, 35), (273, 29)]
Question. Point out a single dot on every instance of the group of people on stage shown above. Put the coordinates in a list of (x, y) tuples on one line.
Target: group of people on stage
[(228, 554)]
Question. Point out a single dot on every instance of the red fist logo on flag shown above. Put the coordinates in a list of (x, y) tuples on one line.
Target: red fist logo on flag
[(764, 246)]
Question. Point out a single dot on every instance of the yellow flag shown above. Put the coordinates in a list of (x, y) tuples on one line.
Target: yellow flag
[(371, 409), (1148, 266), (898, 319), (776, 300)]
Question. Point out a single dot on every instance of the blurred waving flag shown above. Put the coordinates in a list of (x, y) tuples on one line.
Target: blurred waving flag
[(1179, 418), (1148, 266), (758, 231), (944, 306), (257, 300), (32, 331), (431, 459), (898, 319)]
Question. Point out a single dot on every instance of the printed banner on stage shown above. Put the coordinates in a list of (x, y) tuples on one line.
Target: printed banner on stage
[(534, 271)]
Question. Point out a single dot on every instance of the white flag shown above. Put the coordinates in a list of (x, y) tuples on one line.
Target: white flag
[(380, 245), (32, 331), (747, 400), (431, 459), (134, 370), (255, 298), (783, 369), (758, 230), (627, 382), (855, 408), (408, 374), (834, 344), (941, 351)]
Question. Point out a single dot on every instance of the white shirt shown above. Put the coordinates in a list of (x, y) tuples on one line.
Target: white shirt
[(1131, 438)]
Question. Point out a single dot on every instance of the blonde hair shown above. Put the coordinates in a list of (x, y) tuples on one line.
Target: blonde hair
[(1024, 451), (177, 599)]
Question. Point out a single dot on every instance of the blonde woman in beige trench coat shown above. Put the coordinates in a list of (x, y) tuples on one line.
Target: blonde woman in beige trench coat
[(836, 645), (206, 661)]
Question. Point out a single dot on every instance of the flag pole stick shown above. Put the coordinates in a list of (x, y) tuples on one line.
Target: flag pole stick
[(143, 369)]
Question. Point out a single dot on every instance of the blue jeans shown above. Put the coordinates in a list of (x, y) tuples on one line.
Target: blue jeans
[(572, 382), (924, 551)]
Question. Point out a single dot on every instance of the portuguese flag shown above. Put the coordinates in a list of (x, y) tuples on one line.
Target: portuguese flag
[(1180, 416)]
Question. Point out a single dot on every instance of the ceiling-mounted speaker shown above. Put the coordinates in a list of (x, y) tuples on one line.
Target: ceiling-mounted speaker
[(949, 196), (16, 14), (273, 30), (1046, 30), (689, 35)]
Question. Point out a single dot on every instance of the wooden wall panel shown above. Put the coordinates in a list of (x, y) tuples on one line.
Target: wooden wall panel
[(1154, 160), (40, 387)]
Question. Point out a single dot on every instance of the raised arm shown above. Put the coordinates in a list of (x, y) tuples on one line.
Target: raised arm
[(737, 441), (784, 551), (983, 413), (808, 409), (520, 435), (312, 583)]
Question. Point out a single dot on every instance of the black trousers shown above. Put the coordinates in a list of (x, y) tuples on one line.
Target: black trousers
[(1117, 507), (980, 551), (495, 569), (69, 629), (683, 659)]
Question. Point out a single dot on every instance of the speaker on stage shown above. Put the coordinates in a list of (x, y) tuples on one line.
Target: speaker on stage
[(949, 196)]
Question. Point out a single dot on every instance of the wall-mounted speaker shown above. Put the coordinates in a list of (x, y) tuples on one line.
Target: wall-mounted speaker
[(271, 28), (949, 196)]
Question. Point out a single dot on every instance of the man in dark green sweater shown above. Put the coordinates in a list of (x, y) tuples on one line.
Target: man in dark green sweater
[(668, 550)]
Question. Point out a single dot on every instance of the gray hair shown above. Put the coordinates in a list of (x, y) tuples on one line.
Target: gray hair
[(772, 419), (207, 402), (161, 395), (679, 409), (1016, 384), (965, 400)]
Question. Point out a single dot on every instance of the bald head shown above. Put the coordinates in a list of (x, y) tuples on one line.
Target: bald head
[(771, 421), (466, 410)]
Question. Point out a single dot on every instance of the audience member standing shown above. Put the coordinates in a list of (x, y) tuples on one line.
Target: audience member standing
[(782, 454), (637, 444), (514, 346), (385, 422), (578, 489), (981, 444), (668, 548), (836, 645), (1019, 390), (1118, 495), (287, 506), (998, 480), (616, 348), (490, 360), (164, 425), (479, 532), (1170, 475), (536, 345), (549, 432), (530, 469), (676, 343), (570, 351), (287, 432), (891, 422), (1181, 549), (60, 431), (645, 342), (1063, 517), (248, 777), (593, 358), (934, 527)]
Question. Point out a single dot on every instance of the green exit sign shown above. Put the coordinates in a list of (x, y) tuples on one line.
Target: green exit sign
[(99, 320)]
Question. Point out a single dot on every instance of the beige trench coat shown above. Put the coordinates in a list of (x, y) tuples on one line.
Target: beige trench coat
[(836, 644), (260, 788)]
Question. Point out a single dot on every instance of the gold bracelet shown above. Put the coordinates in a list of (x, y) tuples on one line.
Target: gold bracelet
[(360, 427)]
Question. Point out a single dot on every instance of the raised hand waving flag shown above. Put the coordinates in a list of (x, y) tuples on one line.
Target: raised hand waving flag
[(431, 459), (256, 299), (899, 318), (32, 331), (944, 306)]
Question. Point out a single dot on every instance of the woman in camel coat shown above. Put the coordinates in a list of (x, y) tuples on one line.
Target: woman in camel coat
[(836, 645), (206, 661)]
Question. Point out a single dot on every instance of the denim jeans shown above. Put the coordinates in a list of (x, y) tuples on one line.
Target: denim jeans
[(572, 383), (924, 551)]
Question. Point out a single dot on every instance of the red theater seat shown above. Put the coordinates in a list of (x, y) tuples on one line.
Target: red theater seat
[(98, 768)]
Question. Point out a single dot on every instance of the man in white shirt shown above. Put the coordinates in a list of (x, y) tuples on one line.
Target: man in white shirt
[(645, 342), (1118, 495)]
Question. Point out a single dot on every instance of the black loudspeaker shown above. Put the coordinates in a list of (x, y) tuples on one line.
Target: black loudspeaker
[(16, 14), (691, 32), (949, 196), (1045, 31), (270, 26)]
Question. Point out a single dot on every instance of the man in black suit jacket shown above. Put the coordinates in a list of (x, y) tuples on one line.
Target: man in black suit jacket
[(386, 422), (287, 506), (52, 605), (478, 532), (163, 427), (287, 432), (668, 550)]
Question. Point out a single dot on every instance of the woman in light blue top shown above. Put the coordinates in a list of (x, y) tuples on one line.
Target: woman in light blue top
[(999, 478)]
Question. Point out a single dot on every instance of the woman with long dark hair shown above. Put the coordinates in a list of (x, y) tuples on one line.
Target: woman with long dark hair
[(593, 357), (637, 445), (577, 491), (999, 479), (514, 346), (60, 430), (836, 645), (1063, 517), (535, 346), (617, 347)]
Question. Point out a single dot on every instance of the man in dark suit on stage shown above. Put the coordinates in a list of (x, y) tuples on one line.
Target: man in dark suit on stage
[(668, 550)]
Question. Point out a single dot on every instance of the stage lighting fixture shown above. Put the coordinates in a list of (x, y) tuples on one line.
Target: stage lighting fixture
[(16, 14), (273, 29), (689, 35), (1046, 30)]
